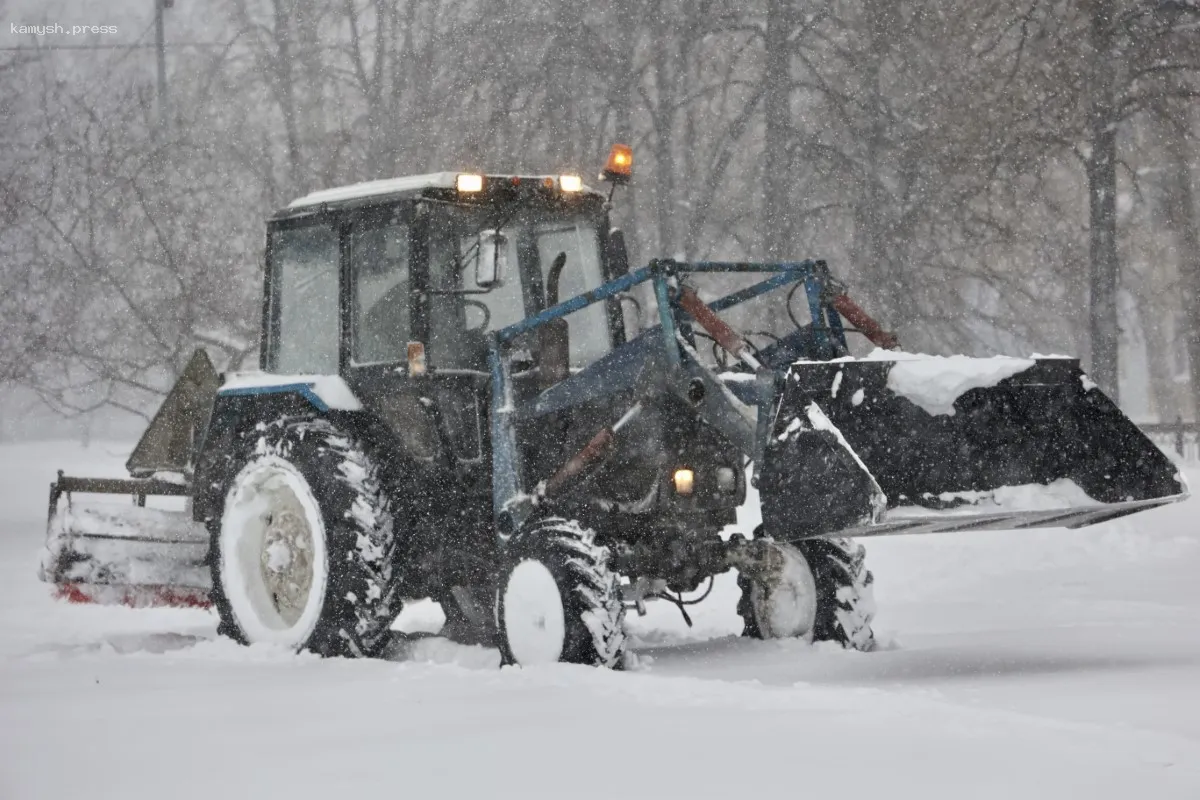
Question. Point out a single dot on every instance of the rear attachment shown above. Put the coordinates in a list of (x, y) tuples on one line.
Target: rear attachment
[(917, 444), (109, 552), (124, 554)]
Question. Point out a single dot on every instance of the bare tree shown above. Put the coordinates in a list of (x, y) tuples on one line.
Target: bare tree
[(960, 162)]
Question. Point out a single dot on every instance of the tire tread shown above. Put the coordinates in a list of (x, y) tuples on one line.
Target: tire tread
[(845, 593), (362, 597), (592, 592)]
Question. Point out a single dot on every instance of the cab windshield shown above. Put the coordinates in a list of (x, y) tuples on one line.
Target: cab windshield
[(461, 313)]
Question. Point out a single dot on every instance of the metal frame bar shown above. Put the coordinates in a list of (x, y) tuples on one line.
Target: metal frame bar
[(758, 289), (610, 289), (817, 310), (507, 482), (666, 319), (510, 503), (808, 266), (659, 271), (136, 488)]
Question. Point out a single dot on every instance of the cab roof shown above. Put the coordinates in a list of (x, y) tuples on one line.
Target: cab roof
[(410, 184)]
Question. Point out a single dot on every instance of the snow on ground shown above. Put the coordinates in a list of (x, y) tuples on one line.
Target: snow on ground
[(1025, 664)]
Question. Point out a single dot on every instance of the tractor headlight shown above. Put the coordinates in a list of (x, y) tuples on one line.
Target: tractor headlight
[(570, 183), (685, 481), (469, 183)]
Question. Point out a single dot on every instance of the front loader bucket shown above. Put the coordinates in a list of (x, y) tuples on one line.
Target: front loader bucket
[(955, 444)]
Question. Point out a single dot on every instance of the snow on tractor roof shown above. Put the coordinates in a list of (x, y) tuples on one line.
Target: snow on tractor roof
[(433, 180), (409, 183)]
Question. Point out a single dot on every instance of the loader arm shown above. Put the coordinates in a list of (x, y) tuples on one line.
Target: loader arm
[(838, 446), (661, 359)]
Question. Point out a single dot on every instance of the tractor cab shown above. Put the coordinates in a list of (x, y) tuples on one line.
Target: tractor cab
[(390, 281), (435, 262)]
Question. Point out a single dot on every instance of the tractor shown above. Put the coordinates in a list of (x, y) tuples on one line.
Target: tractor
[(467, 394)]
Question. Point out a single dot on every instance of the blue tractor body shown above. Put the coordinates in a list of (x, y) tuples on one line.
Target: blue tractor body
[(415, 328)]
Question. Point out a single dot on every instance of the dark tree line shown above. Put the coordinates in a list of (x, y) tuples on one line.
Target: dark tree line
[(989, 176)]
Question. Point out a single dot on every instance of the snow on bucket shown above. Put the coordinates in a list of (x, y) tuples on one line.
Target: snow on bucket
[(977, 440)]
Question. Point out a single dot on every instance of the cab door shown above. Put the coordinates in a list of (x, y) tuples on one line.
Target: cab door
[(379, 263)]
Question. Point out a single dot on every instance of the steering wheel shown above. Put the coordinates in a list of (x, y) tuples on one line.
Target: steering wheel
[(487, 313)]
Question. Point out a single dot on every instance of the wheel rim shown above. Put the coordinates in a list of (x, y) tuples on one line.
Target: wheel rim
[(285, 558), (785, 601), (273, 554), (534, 620)]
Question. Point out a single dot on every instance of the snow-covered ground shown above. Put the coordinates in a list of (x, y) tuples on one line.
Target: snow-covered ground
[(1029, 664)]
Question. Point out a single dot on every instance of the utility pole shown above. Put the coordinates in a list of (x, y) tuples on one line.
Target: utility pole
[(161, 49), (777, 189), (623, 82), (1105, 267)]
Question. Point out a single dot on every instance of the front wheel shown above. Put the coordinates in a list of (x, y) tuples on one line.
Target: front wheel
[(817, 589), (557, 600), (302, 555)]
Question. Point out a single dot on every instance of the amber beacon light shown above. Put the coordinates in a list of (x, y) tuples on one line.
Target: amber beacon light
[(416, 359), (619, 167)]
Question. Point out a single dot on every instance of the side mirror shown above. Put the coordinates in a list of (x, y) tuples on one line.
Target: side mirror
[(492, 260)]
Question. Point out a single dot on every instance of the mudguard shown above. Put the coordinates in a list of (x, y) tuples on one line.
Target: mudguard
[(102, 548)]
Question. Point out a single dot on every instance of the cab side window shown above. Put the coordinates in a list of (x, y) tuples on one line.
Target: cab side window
[(590, 337), (458, 322), (304, 330), (382, 298)]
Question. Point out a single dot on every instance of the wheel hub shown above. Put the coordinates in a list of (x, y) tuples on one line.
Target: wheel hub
[(286, 560), (784, 594), (534, 620)]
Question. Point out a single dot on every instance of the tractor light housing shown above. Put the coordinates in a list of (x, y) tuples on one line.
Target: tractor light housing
[(685, 481), (726, 480), (469, 183), (416, 359), (619, 167)]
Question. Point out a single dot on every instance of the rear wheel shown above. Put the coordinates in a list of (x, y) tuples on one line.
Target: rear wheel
[(823, 592), (557, 600), (302, 554)]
